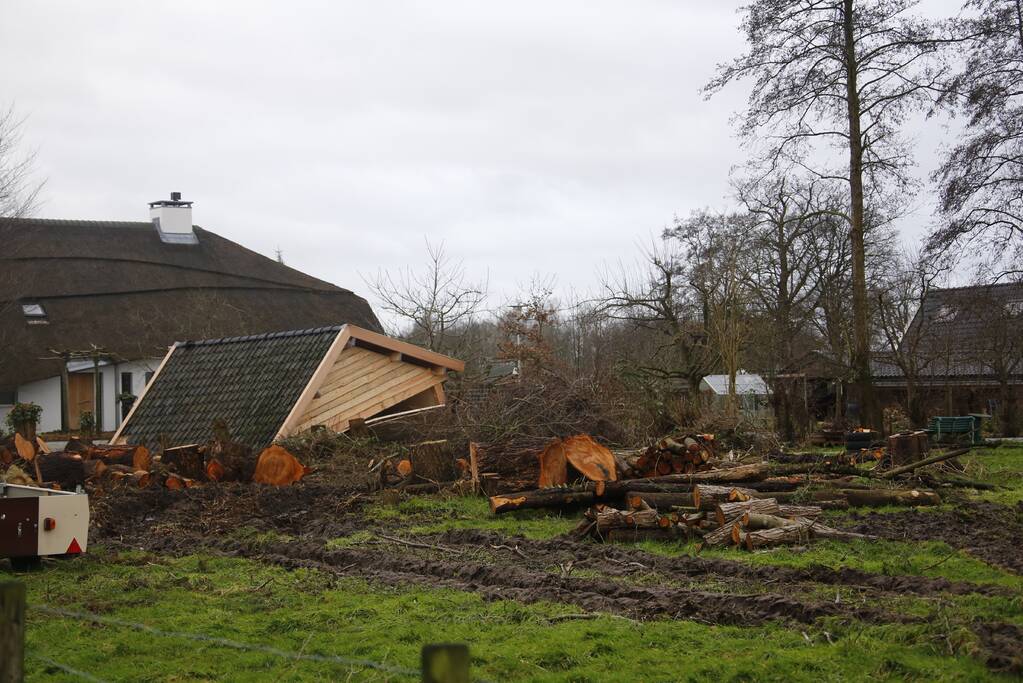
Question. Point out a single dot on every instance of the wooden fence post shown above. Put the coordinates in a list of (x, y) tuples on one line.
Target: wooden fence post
[(445, 663), (12, 632)]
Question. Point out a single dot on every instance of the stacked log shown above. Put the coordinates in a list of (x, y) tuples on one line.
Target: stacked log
[(682, 455)]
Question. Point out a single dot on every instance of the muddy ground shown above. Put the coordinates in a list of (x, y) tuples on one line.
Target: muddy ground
[(621, 580), (988, 531)]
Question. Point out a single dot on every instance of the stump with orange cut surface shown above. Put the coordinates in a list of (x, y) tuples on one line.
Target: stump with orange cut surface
[(278, 467), (581, 452)]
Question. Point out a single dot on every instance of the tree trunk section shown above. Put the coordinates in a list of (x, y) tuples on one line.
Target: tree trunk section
[(861, 329)]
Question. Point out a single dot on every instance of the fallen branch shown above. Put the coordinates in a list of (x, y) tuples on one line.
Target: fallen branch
[(415, 544), (922, 463)]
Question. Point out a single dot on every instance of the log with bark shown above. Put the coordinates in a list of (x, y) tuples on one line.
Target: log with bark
[(661, 501), (66, 469), (724, 534), (706, 496), (805, 495), (826, 532), (188, 461), (881, 497), (926, 461), (138, 479), (612, 518), (542, 498), (137, 457), (757, 521), (727, 512), (805, 511), (794, 532)]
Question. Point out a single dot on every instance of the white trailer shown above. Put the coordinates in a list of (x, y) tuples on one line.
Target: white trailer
[(35, 522)]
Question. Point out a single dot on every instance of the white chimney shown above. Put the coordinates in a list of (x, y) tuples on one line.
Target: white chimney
[(173, 219)]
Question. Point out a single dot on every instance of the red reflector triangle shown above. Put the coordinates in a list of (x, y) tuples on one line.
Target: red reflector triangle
[(74, 547)]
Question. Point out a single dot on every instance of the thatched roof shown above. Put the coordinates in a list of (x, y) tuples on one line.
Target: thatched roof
[(118, 286)]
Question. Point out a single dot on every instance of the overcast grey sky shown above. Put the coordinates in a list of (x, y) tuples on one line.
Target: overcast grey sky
[(531, 137)]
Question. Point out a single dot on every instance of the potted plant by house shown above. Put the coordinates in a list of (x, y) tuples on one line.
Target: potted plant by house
[(87, 423), (23, 419)]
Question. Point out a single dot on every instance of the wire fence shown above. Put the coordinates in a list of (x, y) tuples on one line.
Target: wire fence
[(212, 640), (54, 664)]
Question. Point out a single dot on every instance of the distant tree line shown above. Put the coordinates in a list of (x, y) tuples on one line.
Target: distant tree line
[(806, 270)]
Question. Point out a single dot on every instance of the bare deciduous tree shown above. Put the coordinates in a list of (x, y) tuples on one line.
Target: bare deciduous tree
[(905, 335), (718, 267), (981, 200), (844, 72), (790, 215), (19, 189), (658, 298), (434, 302), (999, 350)]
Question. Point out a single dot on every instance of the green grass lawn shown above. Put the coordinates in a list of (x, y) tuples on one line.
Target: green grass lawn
[(303, 611), (1002, 466)]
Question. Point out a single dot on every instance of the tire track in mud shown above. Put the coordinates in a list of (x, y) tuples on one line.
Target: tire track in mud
[(988, 531), (615, 561), (504, 582)]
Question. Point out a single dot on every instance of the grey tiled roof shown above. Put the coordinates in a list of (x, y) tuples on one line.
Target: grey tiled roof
[(250, 382), (959, 332)]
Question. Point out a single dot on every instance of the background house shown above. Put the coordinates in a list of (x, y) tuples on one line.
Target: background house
[(962, 353), (752, 392), (106, 299)]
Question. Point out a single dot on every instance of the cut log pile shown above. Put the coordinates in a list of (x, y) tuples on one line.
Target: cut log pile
[(560, 461), (101, 467), (704, 490), (752, 505), (684, 455), (717, 518)]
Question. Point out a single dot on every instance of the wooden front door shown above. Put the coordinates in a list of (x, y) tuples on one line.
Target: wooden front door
[(79, 397)]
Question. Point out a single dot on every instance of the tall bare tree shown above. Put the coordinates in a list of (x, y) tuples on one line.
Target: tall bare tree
[(434, 302), (981, 197), (845, 72), (19, 187)]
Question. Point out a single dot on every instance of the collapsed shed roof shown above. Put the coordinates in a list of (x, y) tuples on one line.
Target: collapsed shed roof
[(273, 385)]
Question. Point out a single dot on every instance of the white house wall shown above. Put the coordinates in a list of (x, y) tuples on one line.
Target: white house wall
[(46, 393)]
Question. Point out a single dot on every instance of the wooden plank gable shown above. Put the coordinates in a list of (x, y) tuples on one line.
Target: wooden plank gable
[(364, 382)]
